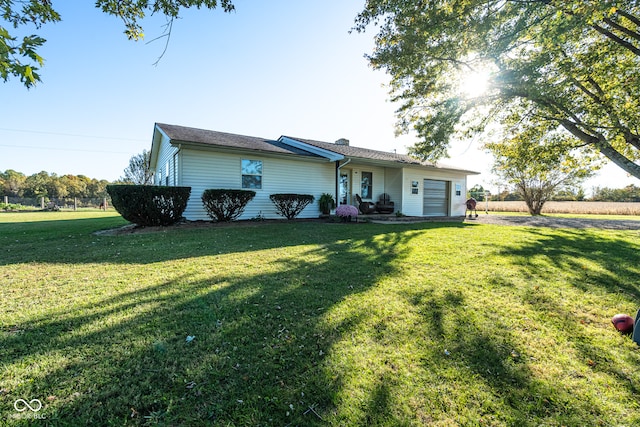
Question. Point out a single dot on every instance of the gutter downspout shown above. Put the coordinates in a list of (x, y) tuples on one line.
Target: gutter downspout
[(338, 167), (177, 166)]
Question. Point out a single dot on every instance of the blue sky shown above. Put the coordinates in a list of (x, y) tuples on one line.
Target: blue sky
[(267, 69)]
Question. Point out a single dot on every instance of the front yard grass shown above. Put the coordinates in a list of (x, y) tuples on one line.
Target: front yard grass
[(443, 324)]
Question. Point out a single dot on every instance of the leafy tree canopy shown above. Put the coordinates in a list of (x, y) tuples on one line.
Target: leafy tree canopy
[(630, 193), (50, 185), (539, 162), (19, 57), (139, 170), (477, 192), (574, 64)]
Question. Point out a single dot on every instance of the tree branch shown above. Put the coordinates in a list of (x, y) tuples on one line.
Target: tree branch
[(616, 39), (167, 33), (622, 28), (630, 17)]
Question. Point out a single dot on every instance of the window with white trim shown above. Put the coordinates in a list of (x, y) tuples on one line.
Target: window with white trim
[(252, 174)]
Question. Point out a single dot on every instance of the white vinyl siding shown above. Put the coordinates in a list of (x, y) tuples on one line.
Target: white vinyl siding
[(393, 187), (413, 204), (202, 170), (166, 172)]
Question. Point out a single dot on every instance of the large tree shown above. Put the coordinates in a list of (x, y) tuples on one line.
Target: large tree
[(12, 183), (19, 56), (139, 170), (539, 162), (573, 63)]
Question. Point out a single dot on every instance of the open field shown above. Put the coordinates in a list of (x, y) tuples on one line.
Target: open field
[(593, 208), (308, 323)]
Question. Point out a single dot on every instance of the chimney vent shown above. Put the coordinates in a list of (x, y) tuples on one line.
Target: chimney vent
[(342, 141)]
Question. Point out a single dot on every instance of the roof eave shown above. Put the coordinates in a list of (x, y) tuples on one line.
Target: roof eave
[(399, 164), (229, 149)]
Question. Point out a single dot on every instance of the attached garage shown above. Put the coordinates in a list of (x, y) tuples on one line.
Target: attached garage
[(436, 198)]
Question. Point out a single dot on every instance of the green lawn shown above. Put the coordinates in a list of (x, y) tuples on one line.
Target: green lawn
[(303, 324)]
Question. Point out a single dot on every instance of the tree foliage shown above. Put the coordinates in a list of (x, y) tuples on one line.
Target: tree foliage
[(477, 192), (575, 64), (569, 194), (540, 162), (50, 185), (630, 193), (19, 55), (139, 170), (12, 183)]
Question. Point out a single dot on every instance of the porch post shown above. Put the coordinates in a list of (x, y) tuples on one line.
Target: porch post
[(337, 176)]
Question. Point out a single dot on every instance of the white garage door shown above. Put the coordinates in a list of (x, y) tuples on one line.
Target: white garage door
[(436, 198)]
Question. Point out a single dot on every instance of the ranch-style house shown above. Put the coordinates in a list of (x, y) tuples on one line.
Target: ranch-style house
[(203, 159)]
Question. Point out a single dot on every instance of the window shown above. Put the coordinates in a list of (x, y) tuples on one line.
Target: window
[(166, 173), (366, 185), (252, 174)]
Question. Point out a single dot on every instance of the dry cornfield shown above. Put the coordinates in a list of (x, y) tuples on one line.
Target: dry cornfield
[(596, 208)]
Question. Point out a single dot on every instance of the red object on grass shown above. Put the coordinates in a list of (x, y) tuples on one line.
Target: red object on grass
[(623, 323)]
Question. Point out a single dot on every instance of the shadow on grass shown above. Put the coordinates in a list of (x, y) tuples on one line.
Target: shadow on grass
[(258, 348), (592, 265), (567, 250), (494, 382), (266, 348), (72, 241)]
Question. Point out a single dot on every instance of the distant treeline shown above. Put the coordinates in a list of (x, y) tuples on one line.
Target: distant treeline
[(630, 193), (51, 185)]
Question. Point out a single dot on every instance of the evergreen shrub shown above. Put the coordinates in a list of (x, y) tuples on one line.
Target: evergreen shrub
[(149, 205), (290, 205), (226, 205)]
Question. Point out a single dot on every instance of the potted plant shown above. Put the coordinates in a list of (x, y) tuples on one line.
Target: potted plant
[(326, 203)]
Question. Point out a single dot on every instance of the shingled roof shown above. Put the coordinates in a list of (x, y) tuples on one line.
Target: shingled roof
[(185, 134), (188, 135), (363, 153)]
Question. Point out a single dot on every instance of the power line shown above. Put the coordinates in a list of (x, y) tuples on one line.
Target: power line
[(71, 134), (30, 147)]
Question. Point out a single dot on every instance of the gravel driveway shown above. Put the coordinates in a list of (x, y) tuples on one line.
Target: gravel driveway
[(555, 222)]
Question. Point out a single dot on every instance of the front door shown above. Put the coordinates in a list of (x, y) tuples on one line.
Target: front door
[(345, 188)]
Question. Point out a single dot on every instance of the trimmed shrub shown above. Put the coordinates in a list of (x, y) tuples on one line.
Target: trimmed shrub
[(149, 205), (290, 205), (226, 205)]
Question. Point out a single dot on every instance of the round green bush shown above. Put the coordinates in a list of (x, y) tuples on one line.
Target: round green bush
[(149, 205)]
